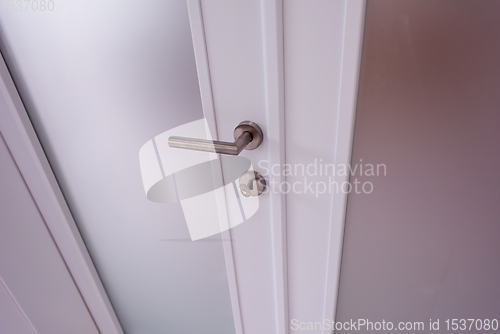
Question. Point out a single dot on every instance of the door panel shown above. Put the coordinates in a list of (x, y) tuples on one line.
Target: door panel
[(105, 80)]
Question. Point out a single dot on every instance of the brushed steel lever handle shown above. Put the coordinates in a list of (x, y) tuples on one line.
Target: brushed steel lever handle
[(247, 135)]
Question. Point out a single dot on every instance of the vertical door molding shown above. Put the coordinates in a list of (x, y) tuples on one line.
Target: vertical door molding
[(351, 59), (203, 68), (28, 154), (272, 37), (322, 42)]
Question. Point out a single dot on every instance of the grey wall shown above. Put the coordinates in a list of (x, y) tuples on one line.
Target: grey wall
[(425, 244)]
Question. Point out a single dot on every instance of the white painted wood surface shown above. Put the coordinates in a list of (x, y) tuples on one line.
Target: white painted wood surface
[(234, 49), (306, 106), (203, 69), (28, 154), (274, 97), (12, 317), (352, 40), (37, 293), (95, 94)]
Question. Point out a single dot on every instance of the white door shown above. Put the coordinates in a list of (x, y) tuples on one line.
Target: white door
[(292, 67), (108, 78)]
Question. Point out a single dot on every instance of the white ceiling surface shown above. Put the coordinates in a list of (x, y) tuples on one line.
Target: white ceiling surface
[(37, 293), (99, 80)]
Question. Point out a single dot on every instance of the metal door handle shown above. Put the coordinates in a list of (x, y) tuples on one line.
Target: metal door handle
[(247, 135), (252, 184)]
